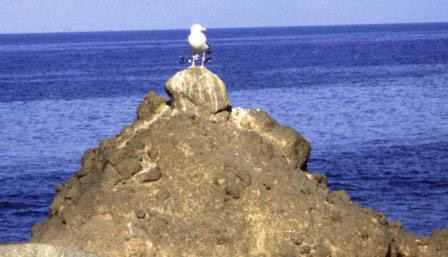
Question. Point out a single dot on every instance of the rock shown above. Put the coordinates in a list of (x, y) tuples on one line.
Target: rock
[(319, 178), (198, 91), (87, 162), (152, 104), (140, 213), (233, 190), (152, 175), (286, 141), (193, 177), (439, 239), (38, 250)]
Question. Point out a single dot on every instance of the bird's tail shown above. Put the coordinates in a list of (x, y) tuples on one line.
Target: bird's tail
[(208, 58)]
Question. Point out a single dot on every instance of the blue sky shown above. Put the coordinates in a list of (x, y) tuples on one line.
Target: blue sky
[(21, 16)]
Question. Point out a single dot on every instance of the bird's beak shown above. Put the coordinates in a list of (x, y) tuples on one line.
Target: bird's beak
[(203, 29)]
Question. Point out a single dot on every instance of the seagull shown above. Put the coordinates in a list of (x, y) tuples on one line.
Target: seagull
[(198, 43)]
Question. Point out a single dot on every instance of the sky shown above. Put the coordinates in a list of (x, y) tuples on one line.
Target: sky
[(29, 16)]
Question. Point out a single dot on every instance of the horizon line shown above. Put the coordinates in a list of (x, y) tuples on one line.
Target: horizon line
[(219, 28)]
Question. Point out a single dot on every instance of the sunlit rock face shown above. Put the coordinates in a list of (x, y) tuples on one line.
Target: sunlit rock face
[(193, 176)]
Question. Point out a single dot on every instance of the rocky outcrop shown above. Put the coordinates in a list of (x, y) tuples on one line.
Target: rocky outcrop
[(194, 177)]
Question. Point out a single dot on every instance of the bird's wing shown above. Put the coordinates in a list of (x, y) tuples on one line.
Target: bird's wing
[(190, 40)]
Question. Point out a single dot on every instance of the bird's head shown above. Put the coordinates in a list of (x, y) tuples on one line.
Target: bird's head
[(197, 28)]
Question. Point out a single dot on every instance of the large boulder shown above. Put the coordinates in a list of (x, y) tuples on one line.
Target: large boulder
[(198, 91), (192, 177)]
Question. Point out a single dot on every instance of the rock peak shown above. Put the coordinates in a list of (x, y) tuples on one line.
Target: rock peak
[(197, 90), (193, 177)]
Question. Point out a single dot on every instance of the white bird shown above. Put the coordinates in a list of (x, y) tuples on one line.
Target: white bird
[(198, 42)]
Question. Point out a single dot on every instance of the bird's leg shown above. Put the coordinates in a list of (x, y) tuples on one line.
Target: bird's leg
[(203, 58), (192, 61)]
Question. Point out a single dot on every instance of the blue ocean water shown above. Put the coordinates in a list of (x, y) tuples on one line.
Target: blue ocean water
[(372, 100)]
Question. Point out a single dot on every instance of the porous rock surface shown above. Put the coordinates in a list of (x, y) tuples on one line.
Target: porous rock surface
[(194, 177)]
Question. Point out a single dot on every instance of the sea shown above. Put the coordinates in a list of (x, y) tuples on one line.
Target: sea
[(371, 99)]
